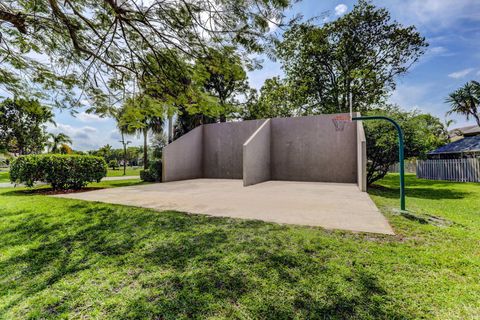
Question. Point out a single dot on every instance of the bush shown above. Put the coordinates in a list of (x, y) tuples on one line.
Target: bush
[(422, 132), (145, 175), (153, 173), (60, 171), (113, 164)]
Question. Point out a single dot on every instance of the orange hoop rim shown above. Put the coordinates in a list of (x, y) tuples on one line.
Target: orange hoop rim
[(342, 117)]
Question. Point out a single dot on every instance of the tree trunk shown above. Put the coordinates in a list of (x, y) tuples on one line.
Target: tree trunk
[(145, 155), (477, 119), (124, 155), (170, 129), (223, 116)]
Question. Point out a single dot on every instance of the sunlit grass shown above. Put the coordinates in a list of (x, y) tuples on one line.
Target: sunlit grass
[(130, 171), (4, 176), (64, 258)]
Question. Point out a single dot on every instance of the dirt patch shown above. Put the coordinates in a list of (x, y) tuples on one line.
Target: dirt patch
[(423, 218)]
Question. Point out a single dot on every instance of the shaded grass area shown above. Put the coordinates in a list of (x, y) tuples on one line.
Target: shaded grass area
[(64, 258), (131, 171), (45, 189), (4, 176)]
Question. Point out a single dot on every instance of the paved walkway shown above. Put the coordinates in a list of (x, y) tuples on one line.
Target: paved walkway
[(9, 185), (329, 205), (120, 178)]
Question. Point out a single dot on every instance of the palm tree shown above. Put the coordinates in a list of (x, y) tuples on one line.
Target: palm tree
[(57, 140), (155, 125), (143, 114), (466, 101), (106, 152), (124, 129)]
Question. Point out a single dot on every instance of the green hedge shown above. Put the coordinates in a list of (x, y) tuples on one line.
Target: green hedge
[(61, 171), (153, 173)]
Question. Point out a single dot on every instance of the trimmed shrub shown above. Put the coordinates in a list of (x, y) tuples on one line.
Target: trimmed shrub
[(147, 176), (61, 171), (153, 173)]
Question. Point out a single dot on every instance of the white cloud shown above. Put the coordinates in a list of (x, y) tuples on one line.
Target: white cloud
[(73, 132), (438, 50), (437, 14), (461, 73), (115, 135), (89, 117), (341, 9), (410, 96), (90, 138), (84, 137)]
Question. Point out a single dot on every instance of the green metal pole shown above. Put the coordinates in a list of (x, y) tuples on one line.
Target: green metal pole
[(400, 153)]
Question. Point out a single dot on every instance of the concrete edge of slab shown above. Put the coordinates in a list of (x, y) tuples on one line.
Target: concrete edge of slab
[(260, 203)]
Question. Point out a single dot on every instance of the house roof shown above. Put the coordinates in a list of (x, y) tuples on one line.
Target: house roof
[(467, 144), (465, 131)]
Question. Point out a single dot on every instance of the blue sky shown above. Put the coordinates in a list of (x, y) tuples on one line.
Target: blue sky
[(452, 28)]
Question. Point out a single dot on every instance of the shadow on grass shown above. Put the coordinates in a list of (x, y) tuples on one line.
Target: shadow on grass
[(46, 189), (119, 183), (183, 266), (423, 193)]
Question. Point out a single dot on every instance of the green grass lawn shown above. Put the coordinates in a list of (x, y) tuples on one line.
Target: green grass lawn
[(64, 258), (4, 176), (135, 171)]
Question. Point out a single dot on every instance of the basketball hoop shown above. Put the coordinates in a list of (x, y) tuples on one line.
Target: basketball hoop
[(340, 120)]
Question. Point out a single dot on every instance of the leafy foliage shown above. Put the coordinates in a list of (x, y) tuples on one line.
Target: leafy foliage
[(466, 101), (106, 152), (361, 54), (153, 173), (275, 101), (22, 125), (102, 45), (143, 114), (222, 74), (422, 132), (113, 164), (57, 141), (60, 171)]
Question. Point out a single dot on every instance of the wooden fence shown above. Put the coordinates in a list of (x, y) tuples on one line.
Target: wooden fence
[(461, 170), (410, 167)]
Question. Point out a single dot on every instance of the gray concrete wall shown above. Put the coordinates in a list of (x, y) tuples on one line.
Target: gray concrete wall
[(256, 156), (292, 149), (223, 148), (182, 159), (310, 149), (361, 157)]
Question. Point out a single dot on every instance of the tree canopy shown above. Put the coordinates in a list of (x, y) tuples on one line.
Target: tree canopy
[(361, 53), (422, 132), (58, 143), (276, 100), (22, 125), (103, 45), (143, 114), (223, 76)]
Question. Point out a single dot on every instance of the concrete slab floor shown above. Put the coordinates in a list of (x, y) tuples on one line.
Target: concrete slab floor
[(328, 205)]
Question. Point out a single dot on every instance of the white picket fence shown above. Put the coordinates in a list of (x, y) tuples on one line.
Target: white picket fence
[(461, 170)]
